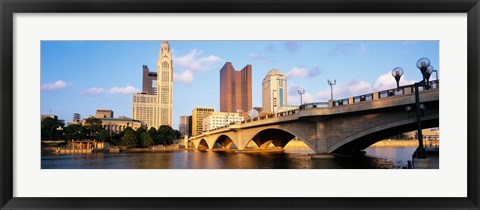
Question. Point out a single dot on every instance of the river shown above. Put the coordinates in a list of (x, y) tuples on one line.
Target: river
[(375, 158)]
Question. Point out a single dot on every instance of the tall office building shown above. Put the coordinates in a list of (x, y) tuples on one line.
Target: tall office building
[(274, 91), (165, 84), (198, 115), (149, 83), (235, 88), (184, 126), (154, 105)]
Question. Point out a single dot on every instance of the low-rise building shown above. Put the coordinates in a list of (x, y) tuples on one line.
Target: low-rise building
[(220, 119), (117, 125)]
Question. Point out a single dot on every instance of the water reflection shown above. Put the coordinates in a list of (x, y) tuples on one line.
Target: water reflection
[(376, 157)]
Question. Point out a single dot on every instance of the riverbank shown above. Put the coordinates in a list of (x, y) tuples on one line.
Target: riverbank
[(405, 143)]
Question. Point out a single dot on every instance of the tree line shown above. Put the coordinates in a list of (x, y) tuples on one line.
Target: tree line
[(54, 129)]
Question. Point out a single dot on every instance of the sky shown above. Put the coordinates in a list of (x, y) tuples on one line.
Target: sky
[(83, 76)]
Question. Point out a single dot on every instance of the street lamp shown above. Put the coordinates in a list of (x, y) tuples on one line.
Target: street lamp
[(397, 73), (426, 69), (301, 92), (331, 83)]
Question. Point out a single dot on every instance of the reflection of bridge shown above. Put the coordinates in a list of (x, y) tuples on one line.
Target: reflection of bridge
[(343, 125)]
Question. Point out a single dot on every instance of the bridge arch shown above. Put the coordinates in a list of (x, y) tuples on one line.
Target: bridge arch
[(191, 145), (279, 137), (365, 138), (224, 141), (202, 145)]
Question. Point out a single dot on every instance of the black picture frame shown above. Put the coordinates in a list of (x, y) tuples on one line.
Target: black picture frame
[(10, 7)]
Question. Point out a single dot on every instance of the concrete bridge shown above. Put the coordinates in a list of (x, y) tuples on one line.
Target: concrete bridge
[(337, 126)]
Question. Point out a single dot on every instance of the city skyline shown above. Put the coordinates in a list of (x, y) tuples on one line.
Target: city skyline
[(83, 76)]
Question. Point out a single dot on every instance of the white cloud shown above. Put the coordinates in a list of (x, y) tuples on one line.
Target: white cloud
[(302, 72), (123, 90), (386, 81), (185, 77), (59, 84), (294, 97), (114, 90), (355, 87), (297, 72), (92, 91), (192, 61)]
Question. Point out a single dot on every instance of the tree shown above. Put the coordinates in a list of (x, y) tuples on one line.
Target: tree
[(152, 132), (166, 134), (51, 129), (75, 131), (93, 125), (146, 140), (128, 138), (104, 136)]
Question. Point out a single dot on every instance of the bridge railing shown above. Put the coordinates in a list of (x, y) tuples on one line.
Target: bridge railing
[(341, 102), (314, 105), (392, 92), (433, 85)]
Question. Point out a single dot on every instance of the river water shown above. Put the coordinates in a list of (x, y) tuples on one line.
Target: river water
[(375, 158)]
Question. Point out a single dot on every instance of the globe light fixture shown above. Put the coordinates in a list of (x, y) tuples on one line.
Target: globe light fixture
[(397, 73)]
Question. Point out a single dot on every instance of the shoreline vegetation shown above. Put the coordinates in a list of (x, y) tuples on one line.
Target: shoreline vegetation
[(292, 146)]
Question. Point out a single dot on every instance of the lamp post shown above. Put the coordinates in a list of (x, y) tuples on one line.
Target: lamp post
[(397, 73), (426, 69), (331, 83), (301, 92)]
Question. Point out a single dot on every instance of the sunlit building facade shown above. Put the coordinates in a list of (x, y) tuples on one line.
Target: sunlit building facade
[(198, 115), (220, 119), (235, 88), (154, 105), (274, 91)]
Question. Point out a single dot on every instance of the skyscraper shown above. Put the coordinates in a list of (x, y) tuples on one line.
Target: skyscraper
[(154, 105), (149, 83), (165, 84), (235, 88), (274, 91), (184, 125)]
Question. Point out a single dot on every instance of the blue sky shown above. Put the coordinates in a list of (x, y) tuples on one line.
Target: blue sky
[(82, 76)]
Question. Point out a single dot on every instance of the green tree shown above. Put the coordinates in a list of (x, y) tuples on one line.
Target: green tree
[(51, 129), (146, 140), (75, 131), (116, 139), (93, 126), (128, 139), (104, 135), (166, 135), (153, 135)]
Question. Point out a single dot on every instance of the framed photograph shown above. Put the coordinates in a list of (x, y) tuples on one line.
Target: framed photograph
[(239, 105)]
